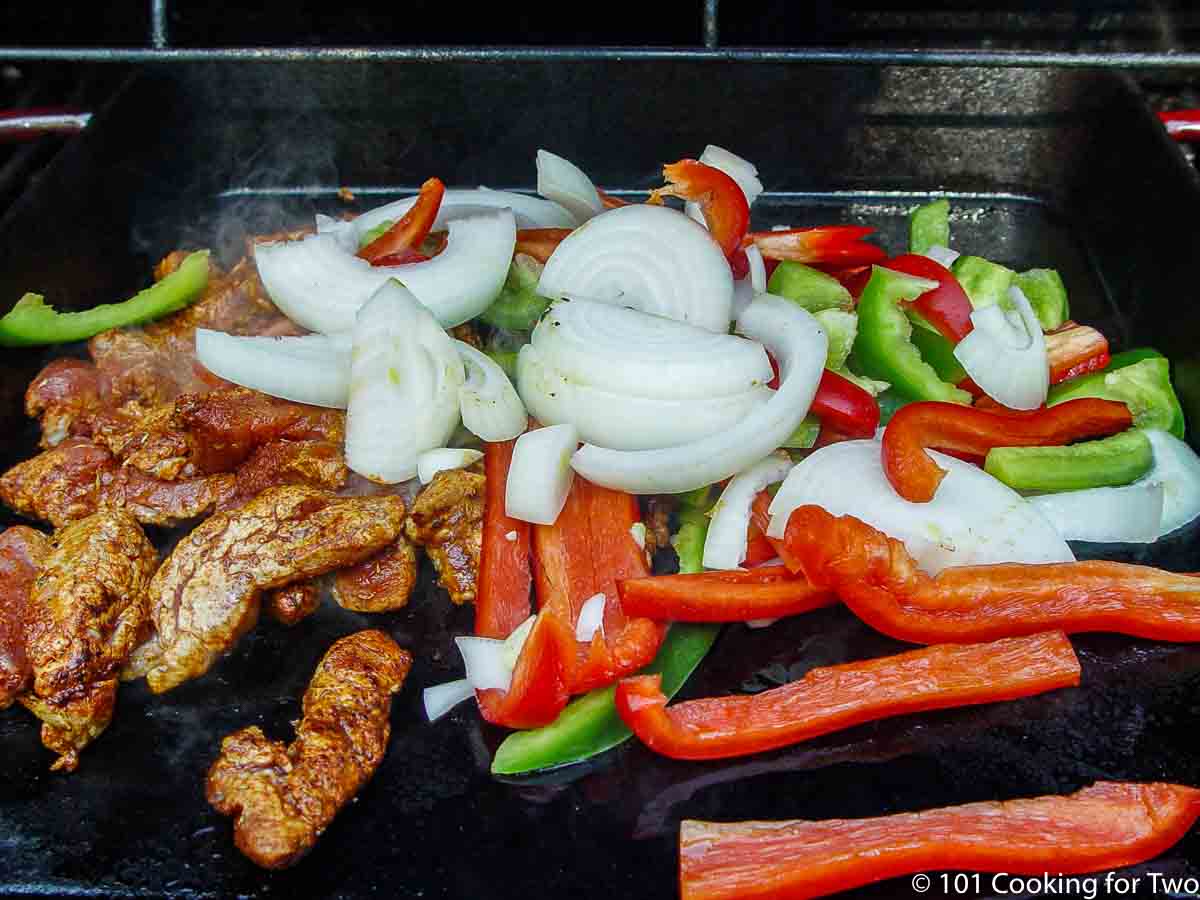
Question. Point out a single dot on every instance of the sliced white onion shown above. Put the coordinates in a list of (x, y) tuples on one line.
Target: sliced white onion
[(540, 476), (653, 258), (1007, 359), (625, 351), (488, 402), (444, 459), (487, 668), (973, 519), (760, 623), (311, 369), (622, 421), (457, 203), (796, 340), (591, 618), (1177, 469), (758, 269), (725, 543), (743, 295), (320, 284), (515, 642), (441, 698), (943, 256), (405, 377), (563, 182), (1129, 514), (744, 172)]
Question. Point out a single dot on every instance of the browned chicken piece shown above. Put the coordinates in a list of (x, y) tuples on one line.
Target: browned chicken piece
[(658, 523), (314, 463), (468, 334), (22, 553), (63, 396), (157, 363), (447, 520), (77, 477), (294, 603), (207, 593), (86, 612), (379, 584), (284, 797)]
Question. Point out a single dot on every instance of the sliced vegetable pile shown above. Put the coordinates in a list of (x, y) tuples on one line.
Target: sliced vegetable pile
[(739, 378)]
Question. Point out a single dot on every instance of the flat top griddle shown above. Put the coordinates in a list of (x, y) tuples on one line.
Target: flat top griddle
[(1043, 168)]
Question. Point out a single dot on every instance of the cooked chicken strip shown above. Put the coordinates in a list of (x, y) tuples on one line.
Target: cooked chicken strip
[(283, 798), (64, 396), (22, 554), (207, 593), (294, 603), (77, 477), (447, 520), (86, 612), (379, 584), (314, 463)]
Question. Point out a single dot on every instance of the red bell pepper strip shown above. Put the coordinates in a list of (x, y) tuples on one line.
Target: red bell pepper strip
[(964, 429), (1075, 350), (1181, 124), (1105, 826), (834, 698), (539, 242), (410, 230), (758, 548), (609, 201), (540, 684), (760, 519), (947, 307), (878, 580), (505, 578), (843, 405), (722, 201), (734, 595), (838, 245), (853, 280)]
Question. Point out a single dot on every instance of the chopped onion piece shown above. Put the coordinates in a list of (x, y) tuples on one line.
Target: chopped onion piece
[(1007, 359), (320, 284), (744, 172), (515, 642), (488, 402), (487, 668), (444, 459), (758, 269), (652, 258), (563, 182), (797, 341), (405, 377), (1129, 514), (591, 618), (973, 519), (311, 369), (725, 543), (441, 698), (540, 476), (624, 421), (943, 256), (1177, 469)]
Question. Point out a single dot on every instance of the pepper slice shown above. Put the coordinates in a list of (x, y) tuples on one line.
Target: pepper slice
[(929, 226), (884, 350), (768, 592), (723, 203), (844, 406), (409, 230), (914, 474), (540, 681), (1074, 350), (1109, 462), (947, 307), (33, 322), (833, 698), (1105, 826), (539, 242), (875, 576), (505, 577), (832, 245)]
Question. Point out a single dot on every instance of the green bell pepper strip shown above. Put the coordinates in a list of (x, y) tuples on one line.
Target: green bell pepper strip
[(371, 234), (1144, 386), (889, 401), (884, 349), (805, 435), (1046, 293), (33, 322), (986, 283), (506, 360), (1129, 357), (841, 328), (590, 724), (809, 287), (939, 353), (518, 306), (929, 226), (1109, 462)]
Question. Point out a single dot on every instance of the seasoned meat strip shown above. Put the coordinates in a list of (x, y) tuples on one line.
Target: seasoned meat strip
[(86, 612), (77, 477), (64, 396), (283, 798), (379, 584), (207, 593), (294, 603), (447, 520), (22, 553)]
